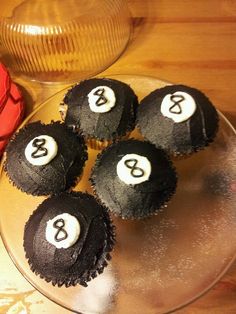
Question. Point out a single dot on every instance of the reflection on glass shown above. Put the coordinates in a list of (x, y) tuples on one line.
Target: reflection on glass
[(99, 296)]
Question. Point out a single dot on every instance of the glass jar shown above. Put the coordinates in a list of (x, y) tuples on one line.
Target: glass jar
[(62, 40)]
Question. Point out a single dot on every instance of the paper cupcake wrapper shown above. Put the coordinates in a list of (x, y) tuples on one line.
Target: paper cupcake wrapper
[(99, 145)]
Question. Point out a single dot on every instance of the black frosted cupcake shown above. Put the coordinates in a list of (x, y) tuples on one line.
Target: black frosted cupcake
[(68, 238), (45, 159), (178, 118), (133, 179), (103, 109)]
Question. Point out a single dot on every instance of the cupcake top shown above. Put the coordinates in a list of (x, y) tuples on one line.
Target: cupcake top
[(68, 238), (101, 108), (178, 118), (45, 159), (133, 179)]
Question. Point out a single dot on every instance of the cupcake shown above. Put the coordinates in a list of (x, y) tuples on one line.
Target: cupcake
[(68, 239), (133, 179), (104, 110), (45, 159), (178, 119)]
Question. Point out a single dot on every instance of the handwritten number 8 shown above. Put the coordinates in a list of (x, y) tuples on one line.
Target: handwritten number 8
[(102, 99), (40, 150), (59, 224), (136, 172), (176, 108)]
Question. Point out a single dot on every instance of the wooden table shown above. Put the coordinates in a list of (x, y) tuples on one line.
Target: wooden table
[(182, 41)]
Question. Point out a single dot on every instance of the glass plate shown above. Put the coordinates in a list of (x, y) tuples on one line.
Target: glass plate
[(159, 264)]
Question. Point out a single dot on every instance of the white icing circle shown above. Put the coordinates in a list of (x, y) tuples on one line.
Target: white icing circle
[(101, 99), (69, 236), (133, 169), (178, 106), (41, 150)]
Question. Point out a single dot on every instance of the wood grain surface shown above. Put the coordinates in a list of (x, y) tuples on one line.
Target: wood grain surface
[(182, 41)]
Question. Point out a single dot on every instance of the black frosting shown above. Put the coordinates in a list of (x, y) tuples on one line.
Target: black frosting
[(103, 126), (133, 201), (60, 173), (85, 258), (177, 138)]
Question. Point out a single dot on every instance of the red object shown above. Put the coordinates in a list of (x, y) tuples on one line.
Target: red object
[(4, 86), (11, 107)]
